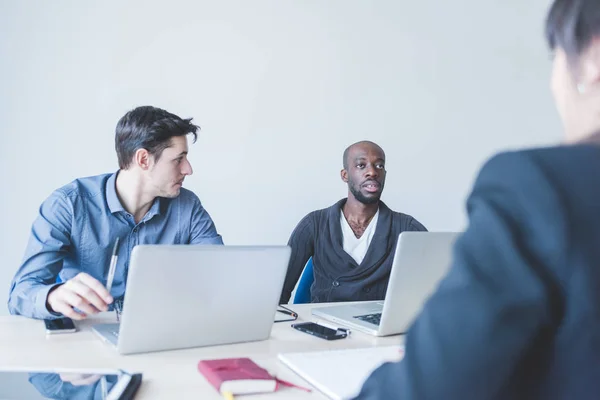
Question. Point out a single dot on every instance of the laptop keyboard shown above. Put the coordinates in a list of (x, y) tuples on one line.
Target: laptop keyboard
[(374, 319)]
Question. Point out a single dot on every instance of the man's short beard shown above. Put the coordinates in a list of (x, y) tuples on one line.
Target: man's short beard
[(362, 198)]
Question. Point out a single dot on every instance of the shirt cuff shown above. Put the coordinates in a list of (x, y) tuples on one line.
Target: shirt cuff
[(41, 311)]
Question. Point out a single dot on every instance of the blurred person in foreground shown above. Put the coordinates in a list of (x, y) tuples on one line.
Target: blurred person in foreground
[(518, 315)]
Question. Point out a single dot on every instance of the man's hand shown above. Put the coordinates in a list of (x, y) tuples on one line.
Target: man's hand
[(82, 292)]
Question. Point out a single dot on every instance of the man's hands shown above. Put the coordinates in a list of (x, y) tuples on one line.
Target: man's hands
[(82, 292)]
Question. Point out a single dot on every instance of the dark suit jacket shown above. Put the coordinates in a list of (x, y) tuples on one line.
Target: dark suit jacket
[(518, 315)]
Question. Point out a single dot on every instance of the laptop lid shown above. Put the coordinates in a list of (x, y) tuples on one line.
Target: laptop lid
[(181, 296), (421, 260)]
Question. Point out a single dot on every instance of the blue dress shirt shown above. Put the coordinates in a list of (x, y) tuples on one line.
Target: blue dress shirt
[(75, 232)]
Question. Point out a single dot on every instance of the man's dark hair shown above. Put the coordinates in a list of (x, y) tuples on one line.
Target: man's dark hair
[(572, 25), (149, 128)]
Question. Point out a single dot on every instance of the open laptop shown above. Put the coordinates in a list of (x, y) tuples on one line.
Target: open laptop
[(181, 296), (420, 262)]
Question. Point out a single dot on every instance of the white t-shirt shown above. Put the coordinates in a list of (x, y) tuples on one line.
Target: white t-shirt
[(357, 247)]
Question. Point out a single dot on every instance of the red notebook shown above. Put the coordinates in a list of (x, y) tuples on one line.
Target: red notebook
[(240, 376), (237, 376)]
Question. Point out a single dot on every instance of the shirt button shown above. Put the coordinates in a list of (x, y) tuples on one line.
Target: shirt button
[(336, 283), (366, 290), (135, 230)]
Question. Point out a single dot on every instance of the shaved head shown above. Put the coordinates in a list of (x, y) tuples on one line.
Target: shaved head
[(360, 144)]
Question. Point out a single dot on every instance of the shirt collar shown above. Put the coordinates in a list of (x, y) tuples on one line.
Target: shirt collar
[(112, 199), (114, 204), (154, 210)]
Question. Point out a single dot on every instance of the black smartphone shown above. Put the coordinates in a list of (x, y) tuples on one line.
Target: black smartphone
[(320, 331), (60, 325)]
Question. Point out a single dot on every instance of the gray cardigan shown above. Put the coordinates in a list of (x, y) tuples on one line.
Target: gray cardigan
[(337, 277)]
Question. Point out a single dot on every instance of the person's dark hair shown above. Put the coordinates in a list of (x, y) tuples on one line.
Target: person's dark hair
[(572, 25), (149, 128)]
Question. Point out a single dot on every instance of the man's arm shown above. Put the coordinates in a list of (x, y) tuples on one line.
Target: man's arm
[(415, 225), (493, 308), (203, 230), (48, 244), (303, 247)]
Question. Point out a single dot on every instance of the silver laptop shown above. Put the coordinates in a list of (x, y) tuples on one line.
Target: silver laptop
[(420, 262), (181, 296)]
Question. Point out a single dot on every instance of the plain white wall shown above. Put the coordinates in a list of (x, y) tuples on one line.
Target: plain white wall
[(280, 88)]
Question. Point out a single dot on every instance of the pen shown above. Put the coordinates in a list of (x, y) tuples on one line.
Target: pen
[(113, 266), (103, 387)]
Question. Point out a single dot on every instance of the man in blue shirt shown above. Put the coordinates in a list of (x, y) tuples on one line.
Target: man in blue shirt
[(77, 226)]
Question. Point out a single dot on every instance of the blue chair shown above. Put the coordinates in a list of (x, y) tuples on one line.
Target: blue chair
[(302, 295)]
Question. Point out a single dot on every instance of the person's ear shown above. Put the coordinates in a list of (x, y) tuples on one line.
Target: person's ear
[(142, 159), (344, 175), (589, 68)]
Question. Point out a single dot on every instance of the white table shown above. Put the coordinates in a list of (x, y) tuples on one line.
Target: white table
[(168, 374)]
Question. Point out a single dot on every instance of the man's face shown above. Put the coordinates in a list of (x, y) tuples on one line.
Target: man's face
[(167, 174), (365, 174)]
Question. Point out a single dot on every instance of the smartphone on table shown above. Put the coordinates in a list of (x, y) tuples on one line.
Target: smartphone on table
[(60, 325), (321, 331)]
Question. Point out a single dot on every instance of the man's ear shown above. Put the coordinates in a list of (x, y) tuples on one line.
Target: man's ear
[(589, 63), (142, 159), (344, 175)]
